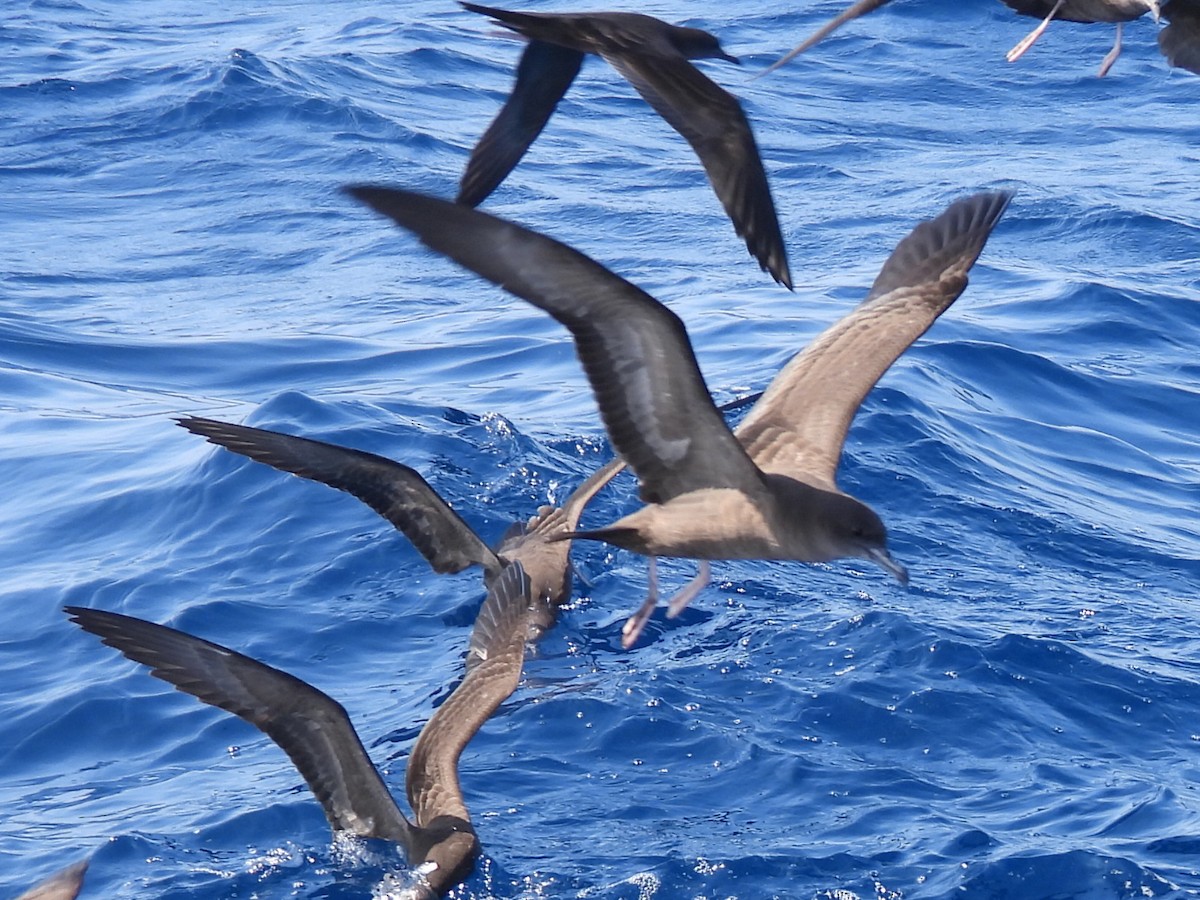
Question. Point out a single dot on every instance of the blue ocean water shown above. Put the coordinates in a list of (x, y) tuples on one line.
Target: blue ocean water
[(1022, 722)]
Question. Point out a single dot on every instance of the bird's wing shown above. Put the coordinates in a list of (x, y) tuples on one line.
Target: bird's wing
[(1179, 41), (713, 122), (307, 724), (395, 491), (852, 12), (800, 424), (582, 495), (497, 654), (543, 76), (62, 885), (635, 351)]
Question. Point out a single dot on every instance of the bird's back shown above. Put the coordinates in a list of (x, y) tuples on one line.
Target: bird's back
[(1083, 10)]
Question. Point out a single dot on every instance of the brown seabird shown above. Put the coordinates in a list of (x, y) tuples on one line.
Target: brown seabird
[(1182, 45), (315, 732), (770, 491), (654, 56)]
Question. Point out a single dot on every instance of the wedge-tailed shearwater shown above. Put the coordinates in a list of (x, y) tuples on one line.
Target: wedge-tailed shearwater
[(654, 57), (1118, 11), (315, 732), (64, 884), (770, 491), (1087, 11), (399, 494)]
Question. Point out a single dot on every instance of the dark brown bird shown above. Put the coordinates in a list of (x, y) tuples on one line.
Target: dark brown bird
[(62, 885), (768, 492), (399, 494), (654, 56), (315, 732)]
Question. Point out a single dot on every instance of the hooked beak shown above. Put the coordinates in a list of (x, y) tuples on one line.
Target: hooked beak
[(737, 62), (883, 559)]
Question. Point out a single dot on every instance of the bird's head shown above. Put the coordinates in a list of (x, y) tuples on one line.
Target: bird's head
[(444, 852), (695, 43), (857, 531)]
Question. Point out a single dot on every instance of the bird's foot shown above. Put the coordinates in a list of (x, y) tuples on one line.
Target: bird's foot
[(1111, 57), (688, 592)]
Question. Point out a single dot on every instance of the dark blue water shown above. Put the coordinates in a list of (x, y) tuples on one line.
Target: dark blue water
[(1022, 722)]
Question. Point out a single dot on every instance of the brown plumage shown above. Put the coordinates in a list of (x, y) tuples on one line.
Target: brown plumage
[(768, 492), (655, 57), (316, 733)]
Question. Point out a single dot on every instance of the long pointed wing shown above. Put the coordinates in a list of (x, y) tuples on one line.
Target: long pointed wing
[(635, 351), (307, 724), (62, 885), (543, 76), (582, 495), (852, 12), (395, 491), (713, 122), (800, 424), (495, 659), (1179, 41)]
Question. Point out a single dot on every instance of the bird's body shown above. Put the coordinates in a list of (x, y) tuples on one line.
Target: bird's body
[(770, 490), (317, 734), (655, 57)]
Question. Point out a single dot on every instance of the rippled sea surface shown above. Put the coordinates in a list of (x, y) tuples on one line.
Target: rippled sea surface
[(1023, 721)]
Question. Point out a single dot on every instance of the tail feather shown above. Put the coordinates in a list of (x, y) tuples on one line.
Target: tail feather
[(627, 538), (515, 21)]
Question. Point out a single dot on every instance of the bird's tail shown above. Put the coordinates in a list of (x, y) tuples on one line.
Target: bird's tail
[(522, 23), (627, 538)]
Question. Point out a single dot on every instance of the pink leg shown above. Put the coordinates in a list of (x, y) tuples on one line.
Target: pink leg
[(1026, 42), (1112, 54), (689, 591), (635, 623)]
